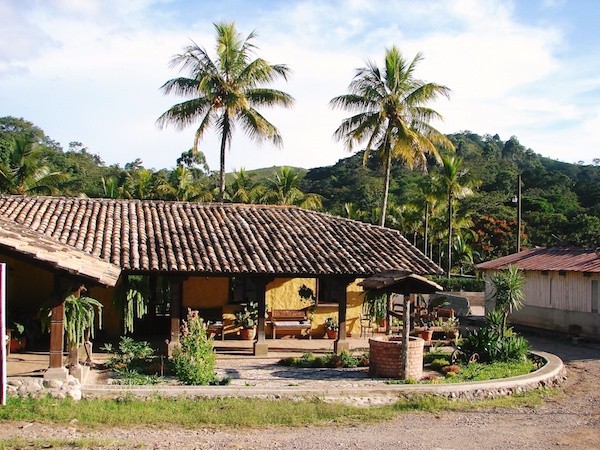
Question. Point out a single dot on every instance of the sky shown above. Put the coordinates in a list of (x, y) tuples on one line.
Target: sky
[(91, 70)]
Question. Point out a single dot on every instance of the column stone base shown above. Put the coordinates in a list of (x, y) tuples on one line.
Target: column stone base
[(340, 345), (56, 373), (261, 348)]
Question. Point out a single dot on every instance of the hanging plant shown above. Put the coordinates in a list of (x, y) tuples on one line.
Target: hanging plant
[(376, 305), (131, 300), (79, 317)]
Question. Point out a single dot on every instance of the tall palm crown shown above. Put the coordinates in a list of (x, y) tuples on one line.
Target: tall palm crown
[(392, 116), (225, 91), (23, 170)]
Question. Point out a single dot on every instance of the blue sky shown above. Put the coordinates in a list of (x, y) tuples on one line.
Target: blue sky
[(90, 70)]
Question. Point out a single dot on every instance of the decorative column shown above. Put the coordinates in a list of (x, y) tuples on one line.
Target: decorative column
[(261, 347)]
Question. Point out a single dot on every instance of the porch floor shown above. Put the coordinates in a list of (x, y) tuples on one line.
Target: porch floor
[(31, 364)]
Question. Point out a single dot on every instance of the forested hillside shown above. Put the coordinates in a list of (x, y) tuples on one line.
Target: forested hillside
[(560, 202)]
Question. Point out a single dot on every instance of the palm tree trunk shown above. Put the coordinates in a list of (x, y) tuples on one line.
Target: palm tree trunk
[(425, 234), (224, 135), (386, 187), (449, 232)]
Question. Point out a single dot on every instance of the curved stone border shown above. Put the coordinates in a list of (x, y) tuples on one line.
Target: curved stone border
[(551, 374)]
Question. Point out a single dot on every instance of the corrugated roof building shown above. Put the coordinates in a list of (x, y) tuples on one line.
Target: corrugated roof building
[(562, 289)]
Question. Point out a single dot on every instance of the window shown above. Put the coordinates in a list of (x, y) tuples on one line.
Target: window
[(162, 296), (244, 290), (330, 290)]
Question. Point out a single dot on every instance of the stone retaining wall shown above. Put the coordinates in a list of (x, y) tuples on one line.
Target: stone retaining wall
[(39, 387), (385, 357)]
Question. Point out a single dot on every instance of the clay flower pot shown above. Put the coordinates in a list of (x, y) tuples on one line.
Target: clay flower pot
[(247, 334)]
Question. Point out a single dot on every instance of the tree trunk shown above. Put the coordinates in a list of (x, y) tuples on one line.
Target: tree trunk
[(386, 187), (449, 233), (224, 135), (426, 233)]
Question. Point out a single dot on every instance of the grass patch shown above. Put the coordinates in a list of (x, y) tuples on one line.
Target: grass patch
[(19, 442), (234, 411), (492, 371), (343, 360)]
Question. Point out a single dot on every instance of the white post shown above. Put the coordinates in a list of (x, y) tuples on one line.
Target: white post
[(3, 334)]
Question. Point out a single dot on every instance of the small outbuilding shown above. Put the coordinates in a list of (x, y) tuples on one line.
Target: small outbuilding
[(562, 290)]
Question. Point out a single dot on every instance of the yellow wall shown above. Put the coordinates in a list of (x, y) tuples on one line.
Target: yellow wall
[(27, 286), (283, 294)]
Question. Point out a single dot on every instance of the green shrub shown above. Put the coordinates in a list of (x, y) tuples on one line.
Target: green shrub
[(135, 362), (438, 364), (194, 361), (491, 346), (344, 359)]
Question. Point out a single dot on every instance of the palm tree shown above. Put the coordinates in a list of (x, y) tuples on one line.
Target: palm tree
[(432, 196), (509, 292), (225, 91), (457, 183), (24, 171), (243, 188), (181, 186), (391, 115), (283, 190)]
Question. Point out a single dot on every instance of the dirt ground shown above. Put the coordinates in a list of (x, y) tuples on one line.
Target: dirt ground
[(569, 421)]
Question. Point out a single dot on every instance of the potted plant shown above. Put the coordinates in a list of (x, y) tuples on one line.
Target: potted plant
[(450, 327), (331, 327), (17, 337), (246, 318), (426, 333)]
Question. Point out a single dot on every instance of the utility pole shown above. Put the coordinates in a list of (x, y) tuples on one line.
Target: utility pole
[(518, 213)]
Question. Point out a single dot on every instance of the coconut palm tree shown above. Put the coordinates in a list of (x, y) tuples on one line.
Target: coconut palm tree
[(243, 188), (391, 115), (283, 190), (24, 172), (225, 91), (457, 183)]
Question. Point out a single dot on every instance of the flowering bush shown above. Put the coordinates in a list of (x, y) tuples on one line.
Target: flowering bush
[(194, 361)]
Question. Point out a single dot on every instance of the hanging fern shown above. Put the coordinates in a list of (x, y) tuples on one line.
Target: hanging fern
[(79, 317), (130, 298), (135, 308)]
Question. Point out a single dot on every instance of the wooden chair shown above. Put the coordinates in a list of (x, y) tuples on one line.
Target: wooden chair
[(366, 326)]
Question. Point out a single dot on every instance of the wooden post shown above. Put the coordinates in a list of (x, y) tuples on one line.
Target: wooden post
[(405, 333), (261, 347), (342, 342), (57, 370), (175, 313), (3, 342)]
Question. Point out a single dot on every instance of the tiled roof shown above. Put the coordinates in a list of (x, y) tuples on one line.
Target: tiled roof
[(21, 240), (568, 259), (149, 235)]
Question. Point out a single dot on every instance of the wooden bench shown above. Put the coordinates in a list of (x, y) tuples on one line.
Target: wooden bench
[(213, 318), (290, 320)]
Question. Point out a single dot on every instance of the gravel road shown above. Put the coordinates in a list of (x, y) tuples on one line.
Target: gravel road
[(569, 421)]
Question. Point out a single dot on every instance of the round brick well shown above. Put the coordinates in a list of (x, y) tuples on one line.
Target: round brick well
[(385, 357)]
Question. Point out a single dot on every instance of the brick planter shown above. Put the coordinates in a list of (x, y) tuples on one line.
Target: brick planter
[(385, 357)]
